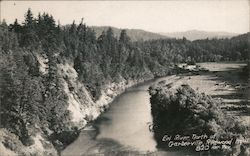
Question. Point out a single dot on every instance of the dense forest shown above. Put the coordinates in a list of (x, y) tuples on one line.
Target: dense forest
[(32, 96)]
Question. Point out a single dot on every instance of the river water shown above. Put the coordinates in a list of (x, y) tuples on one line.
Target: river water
[(123, 127), (128, 119)]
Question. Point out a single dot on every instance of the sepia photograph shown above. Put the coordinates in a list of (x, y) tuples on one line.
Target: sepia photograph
[(125, 78)]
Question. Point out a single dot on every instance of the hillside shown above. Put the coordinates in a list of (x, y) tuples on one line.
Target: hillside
[(196, 34), (55, 79), (134, 34)]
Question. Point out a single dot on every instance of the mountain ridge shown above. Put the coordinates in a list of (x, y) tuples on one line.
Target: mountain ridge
[(199, 34), (134, 34), (144, 35)]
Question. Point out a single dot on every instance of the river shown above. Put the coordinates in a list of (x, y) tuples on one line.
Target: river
[(124, 128)]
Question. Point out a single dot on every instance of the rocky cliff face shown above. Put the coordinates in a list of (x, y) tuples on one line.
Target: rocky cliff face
[(80, 108), (81, 105)]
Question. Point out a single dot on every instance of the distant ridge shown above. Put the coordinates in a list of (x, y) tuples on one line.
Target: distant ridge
[(134, 34), (196, 34), (142, 35)]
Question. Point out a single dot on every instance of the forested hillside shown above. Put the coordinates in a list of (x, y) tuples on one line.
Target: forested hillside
[(134, 34), (55, 79)]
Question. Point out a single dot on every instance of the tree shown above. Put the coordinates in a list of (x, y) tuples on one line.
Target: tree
[(29, 37), (124, 38), (16, 27), (73, 28), (81, 30), (29, 20), (110, 34)]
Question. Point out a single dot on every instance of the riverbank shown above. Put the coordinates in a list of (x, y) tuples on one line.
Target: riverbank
[(81, 109), (124, 127), (228, 89), (98, 141)]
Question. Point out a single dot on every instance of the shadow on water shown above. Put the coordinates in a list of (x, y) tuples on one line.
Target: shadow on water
[(102, 119)]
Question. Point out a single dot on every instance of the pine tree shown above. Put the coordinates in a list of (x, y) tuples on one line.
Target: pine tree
[(124, 38), (81, 30), (16, 27), (29, 19), (29, 36)]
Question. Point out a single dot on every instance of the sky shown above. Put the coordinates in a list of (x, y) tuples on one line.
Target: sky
[(155, 16)]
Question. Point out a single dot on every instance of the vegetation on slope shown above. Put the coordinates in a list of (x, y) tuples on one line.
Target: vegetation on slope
[(186, 112)]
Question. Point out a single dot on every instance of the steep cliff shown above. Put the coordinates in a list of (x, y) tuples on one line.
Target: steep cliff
[(68, 110)]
